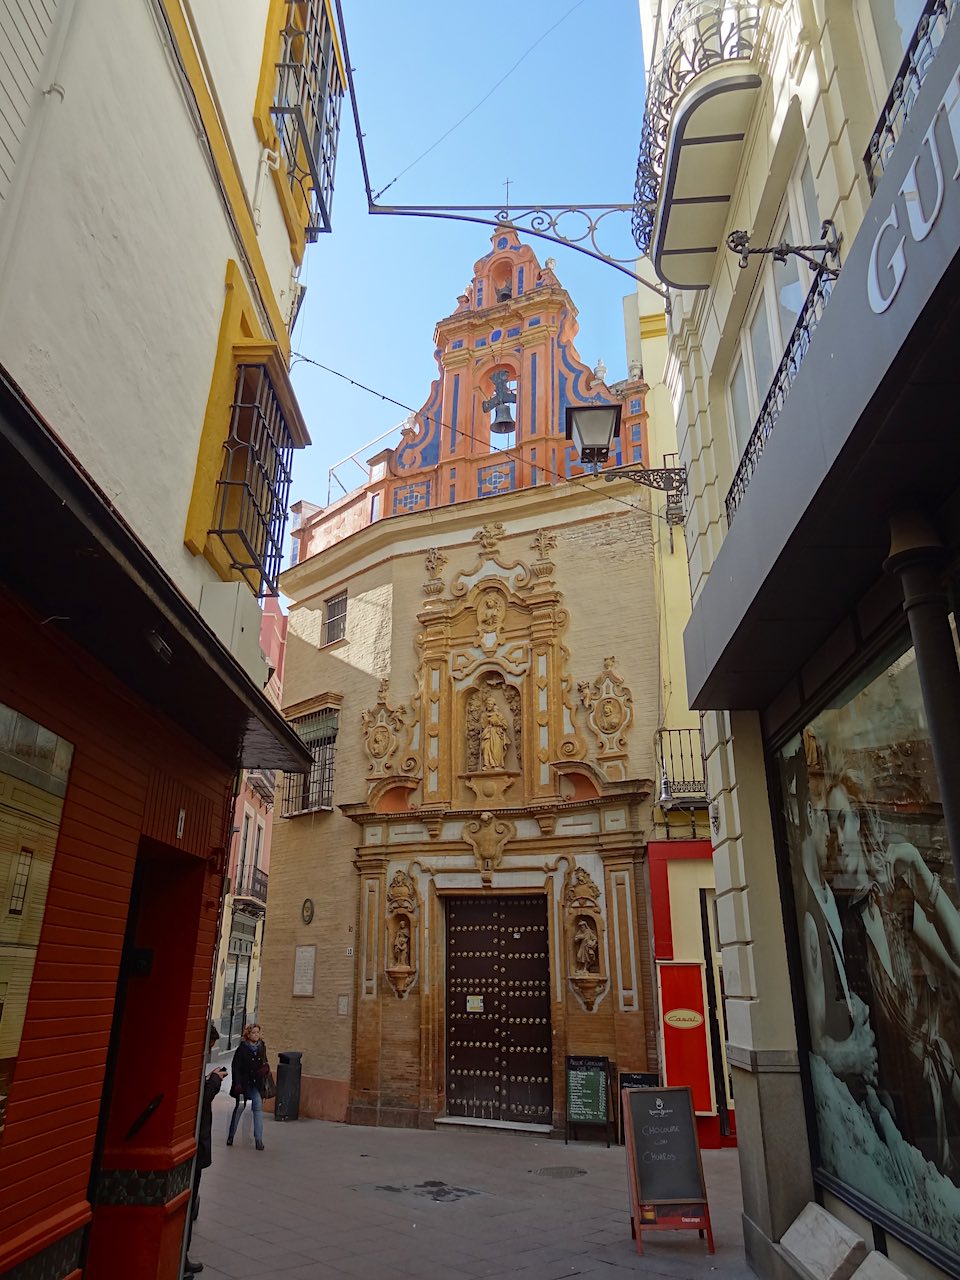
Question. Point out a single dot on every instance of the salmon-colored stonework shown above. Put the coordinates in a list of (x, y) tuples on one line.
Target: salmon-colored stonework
[(514, 318)]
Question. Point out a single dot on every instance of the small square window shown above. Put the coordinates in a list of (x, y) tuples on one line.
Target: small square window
[(335, 618)]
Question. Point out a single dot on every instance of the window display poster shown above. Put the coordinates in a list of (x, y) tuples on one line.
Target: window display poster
[(34, 764), (879, 934)]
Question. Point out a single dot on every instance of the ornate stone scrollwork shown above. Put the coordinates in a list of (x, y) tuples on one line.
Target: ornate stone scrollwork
[(487, 836), (403, 915), (584, 927), (609, 706), (382, 729)]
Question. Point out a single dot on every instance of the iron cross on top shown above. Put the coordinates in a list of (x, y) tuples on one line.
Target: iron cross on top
[(501, 392)]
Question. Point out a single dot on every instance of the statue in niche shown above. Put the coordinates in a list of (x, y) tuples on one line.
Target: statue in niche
[(514, 703), (586, 942), (494, 738), (490, 612), (401, 944)]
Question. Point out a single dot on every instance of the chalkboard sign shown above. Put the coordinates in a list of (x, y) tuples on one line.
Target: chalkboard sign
[(663, 1162), (588, 1093)]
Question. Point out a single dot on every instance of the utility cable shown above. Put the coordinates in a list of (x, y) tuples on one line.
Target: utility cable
[(513, 450), (433, 146)]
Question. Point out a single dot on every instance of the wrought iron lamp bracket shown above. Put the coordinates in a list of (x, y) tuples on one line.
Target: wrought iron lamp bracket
[(537, 220), (670, 480), (739, 242)]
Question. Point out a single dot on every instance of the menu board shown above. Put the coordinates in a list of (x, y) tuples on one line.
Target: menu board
[(662, 1143), (587, 1091), (667, 1190)]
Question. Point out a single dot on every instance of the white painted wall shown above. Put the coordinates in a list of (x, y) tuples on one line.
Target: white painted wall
[(113, 250)]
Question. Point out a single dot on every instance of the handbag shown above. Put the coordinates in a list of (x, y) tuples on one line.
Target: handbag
[(266, 1084)]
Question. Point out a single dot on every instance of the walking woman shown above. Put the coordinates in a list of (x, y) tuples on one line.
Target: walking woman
[(251, 1074)]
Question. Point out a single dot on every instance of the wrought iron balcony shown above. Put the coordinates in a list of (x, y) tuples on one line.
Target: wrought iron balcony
[(702, 34), (252, 883), (917, 61), (263, 782), (681, 766), (798, 346)]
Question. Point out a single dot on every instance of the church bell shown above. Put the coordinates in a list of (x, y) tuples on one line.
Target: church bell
[(503, 423)]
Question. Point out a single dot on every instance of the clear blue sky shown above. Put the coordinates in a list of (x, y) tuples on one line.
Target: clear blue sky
[(565, 126)]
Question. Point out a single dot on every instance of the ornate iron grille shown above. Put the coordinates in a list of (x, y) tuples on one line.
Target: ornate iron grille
[(254, 485), (917, 61), (680, 756), (308, 792), (798, 346), (702, 33), (307, 107)]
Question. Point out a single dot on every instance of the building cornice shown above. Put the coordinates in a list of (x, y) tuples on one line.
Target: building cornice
[(543, 506)]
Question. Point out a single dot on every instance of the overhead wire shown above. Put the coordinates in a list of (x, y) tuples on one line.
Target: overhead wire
[(514, 449), (476, 107)]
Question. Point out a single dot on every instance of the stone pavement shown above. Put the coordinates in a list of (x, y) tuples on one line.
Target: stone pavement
[(330, 1201)]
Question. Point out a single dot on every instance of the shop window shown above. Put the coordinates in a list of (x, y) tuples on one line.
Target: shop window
[(879, 938), (335, 618), (18, 890), (778, 298), (309, 792)]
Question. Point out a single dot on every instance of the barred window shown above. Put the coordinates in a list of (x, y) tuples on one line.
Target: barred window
[(254, 486), (307, 792), (18, 892), (335, 618), (307, 107)]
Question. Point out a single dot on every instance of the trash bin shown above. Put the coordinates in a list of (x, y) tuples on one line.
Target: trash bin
[(287, 1106)]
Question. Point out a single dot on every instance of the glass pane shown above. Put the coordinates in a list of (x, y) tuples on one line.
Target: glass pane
[(760, 349), (808, 195), (34, 764), (790, 288), (740, 404), (876, 904), (894, 22)]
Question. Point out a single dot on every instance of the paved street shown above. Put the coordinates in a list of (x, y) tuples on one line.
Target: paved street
[(328, 1200)]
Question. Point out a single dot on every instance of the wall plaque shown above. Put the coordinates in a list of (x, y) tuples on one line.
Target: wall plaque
[(304, 965)]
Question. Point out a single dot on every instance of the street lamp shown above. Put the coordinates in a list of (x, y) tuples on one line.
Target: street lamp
[(593, 429)]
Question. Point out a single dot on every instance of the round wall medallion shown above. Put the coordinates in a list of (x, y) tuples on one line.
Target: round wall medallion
[(307, 910)]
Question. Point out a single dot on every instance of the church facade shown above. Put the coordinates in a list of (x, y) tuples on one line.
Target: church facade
[(459, 890)]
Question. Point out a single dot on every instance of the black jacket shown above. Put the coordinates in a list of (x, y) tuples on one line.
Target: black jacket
[(247, 1068), (211, 1087)]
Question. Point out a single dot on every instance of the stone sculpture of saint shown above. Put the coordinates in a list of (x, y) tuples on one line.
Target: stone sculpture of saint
[(493, 736), (586, 942), (401, 945)]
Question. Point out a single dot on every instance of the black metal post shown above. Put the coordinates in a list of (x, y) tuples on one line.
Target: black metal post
[(917, 557)]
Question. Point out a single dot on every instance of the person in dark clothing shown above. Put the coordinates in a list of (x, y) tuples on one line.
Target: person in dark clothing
[(211, 1087), (250, 1069)]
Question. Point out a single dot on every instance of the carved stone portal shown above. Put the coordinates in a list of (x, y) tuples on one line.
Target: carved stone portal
[(584, 927), (382, 727), (403, 915), (609, 706), (487, 837)]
